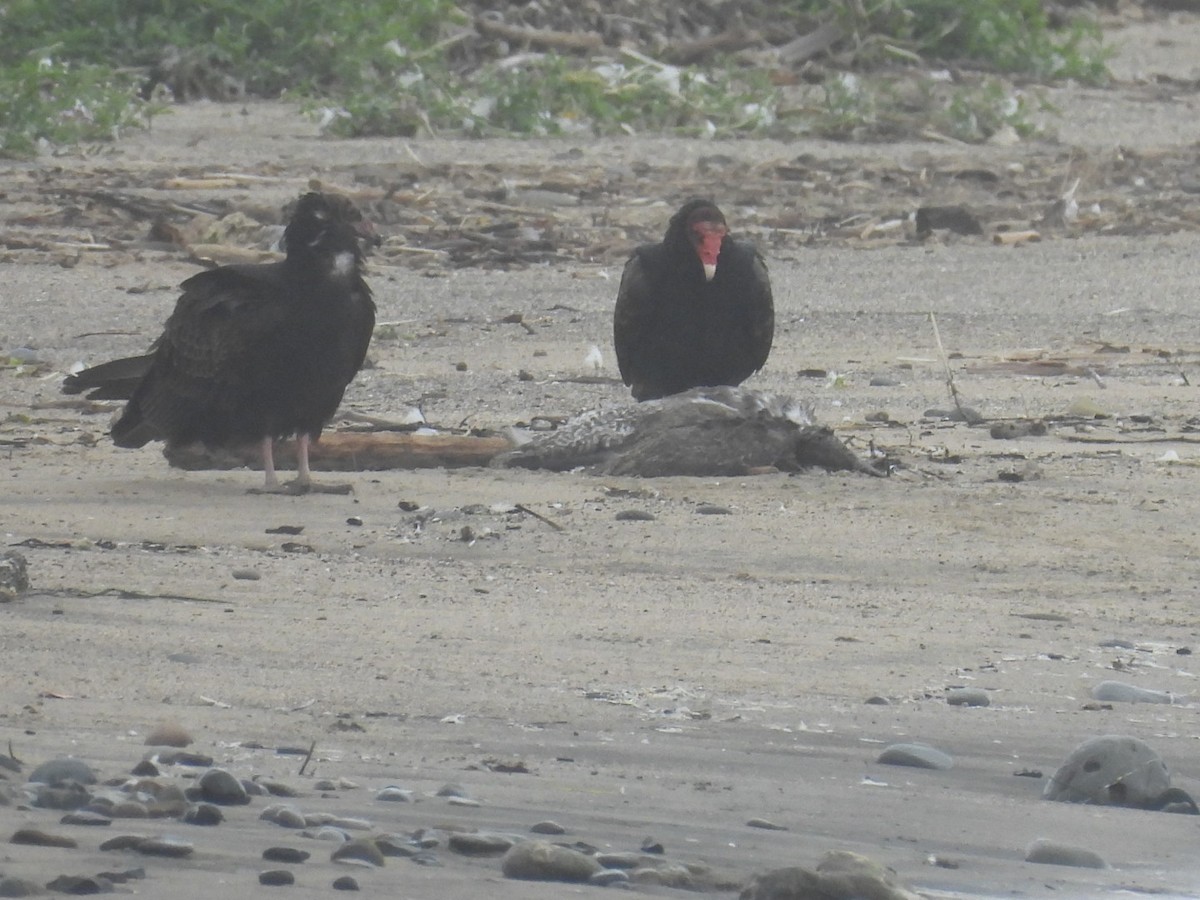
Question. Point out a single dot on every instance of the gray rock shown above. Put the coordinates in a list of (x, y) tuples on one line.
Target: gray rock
[(14, 576), (85, 817), (203, 814), (345, 883), (606, 877), (624, 859), (1056, 854), (967, 697), (841, 875), (1110, 770), (64, 769), (920, 756), (220, 787), (360, 850), (276, 877), (543, 861), (547, 827), (284, 816), (80, 884), (290, 855), (766, 825), (394, 794), (38, 838), (19, 887), (480, 843), (171, 847), (1120, 692)]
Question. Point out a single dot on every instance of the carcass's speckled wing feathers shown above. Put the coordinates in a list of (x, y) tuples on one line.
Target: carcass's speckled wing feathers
[(704, 431)]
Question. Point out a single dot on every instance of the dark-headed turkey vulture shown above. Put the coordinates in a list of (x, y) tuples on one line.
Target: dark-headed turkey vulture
[(693, 311), (254, 352)]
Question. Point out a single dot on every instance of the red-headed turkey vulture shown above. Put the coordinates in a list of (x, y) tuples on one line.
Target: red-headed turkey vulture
[(693, 311)]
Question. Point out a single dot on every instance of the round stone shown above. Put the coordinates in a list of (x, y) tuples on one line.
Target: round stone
[(1110, 770), (221, 787)]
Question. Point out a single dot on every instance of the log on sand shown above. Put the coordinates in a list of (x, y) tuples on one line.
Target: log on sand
[(351, 452)]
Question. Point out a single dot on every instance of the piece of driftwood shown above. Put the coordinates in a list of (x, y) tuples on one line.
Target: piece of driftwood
[(371, 452), (538, 37)]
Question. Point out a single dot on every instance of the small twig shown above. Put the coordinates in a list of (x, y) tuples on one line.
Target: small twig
[(525, 509), (307, 757), (949, 374)]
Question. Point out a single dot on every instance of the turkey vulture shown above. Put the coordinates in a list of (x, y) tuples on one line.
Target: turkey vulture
[(693, 311), (254, 352), (703, 431)]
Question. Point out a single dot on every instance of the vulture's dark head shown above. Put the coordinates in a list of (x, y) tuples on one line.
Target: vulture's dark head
[(324, 227), (700, 226)]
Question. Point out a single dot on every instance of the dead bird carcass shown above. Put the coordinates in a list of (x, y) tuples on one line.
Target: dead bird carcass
[(709, 431)]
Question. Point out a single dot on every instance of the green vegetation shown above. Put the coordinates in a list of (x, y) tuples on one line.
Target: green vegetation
[(83, 71)]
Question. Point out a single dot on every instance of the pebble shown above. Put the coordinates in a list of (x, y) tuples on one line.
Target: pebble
[(967, 697), (85, 817), (480, 844), (173, 848), (921, 756), (123, 842), (766, 825), (1120, 692), (67, 795), (78, 885), (245, 575), (347, 823), (274, 788), (327, 833), (66, 768), (39, 838), (547, 827), (451, 789), (345, 883), (650, 845), (606, 877), (185, 758), (396, 845), (1056, 854), (221, 787), (463, 801), (966, 414), (168, 734), (360, 850), (670, 875), (276, 877), (624, 859), (840, 874), (18, 887), (203, 814), (284, 816), (394, 794), (290, 855), (14, 576), (711, 509), (543, 861), (634, 515), (1111, 770)]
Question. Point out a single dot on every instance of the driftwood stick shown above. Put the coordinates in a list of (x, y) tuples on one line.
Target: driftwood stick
[(354, 453), (937, 336), (538, 37)]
